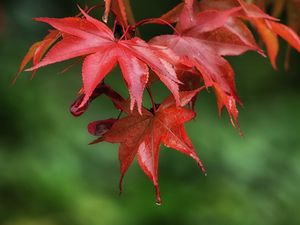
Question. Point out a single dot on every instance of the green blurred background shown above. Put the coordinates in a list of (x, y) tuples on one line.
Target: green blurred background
[(50, 176)]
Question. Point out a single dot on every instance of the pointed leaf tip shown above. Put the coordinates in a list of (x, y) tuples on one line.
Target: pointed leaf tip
[(158, 197)]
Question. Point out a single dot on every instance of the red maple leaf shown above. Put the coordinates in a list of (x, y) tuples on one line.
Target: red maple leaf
[(269, 29), (216, 29), (91, 38), (267, 26), (202, 42), (37, 51), (233, 31), (141, 135)]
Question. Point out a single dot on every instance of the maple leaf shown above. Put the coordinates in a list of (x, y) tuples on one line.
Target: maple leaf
[(141, 135), (234, 27), (201, 43), (233, 30), (268, 30), (91, 38), (292, 9), (37, 51), (267, 26)]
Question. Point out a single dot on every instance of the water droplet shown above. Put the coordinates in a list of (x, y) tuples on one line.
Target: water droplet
[(104, 18)]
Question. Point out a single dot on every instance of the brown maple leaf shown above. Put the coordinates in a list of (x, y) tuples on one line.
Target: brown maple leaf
[(141, 135)]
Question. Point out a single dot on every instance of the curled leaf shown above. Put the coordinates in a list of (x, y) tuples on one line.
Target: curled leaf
[(100, 127)]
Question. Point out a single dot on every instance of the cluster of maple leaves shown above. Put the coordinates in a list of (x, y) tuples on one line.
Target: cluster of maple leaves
[(186, 62)]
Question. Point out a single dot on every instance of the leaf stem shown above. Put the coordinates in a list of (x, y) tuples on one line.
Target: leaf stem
[(120, 114), (157, 21), (115, 26), (152, 99)]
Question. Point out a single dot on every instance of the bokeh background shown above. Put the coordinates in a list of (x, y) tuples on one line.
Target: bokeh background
[(50, 176)]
